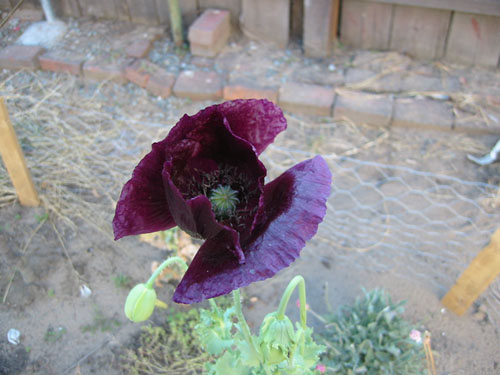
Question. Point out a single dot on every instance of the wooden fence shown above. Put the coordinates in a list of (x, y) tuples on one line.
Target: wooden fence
[(465, 31)]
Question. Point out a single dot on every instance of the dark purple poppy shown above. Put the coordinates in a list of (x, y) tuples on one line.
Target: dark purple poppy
[(205, 177)]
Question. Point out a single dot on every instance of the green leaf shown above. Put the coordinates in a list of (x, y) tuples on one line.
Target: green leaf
[(229, 364), (214, 329), (247, 354)]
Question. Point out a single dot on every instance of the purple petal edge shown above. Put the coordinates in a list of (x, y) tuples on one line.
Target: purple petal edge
[(142, 206), (258, 121), (286, 225)]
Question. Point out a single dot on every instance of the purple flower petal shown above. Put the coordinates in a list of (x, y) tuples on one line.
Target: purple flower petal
[(142, 207), (256, 121), (294, 205)]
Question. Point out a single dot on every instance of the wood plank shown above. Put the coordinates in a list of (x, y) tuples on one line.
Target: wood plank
[(420, 32), (484, 268), (486, 7), (121, 9), (5, 4), (474, 39), (14, 162), (365, 25), (143, 11), (163, 11), (266, 21), (70, 8), (320, 27), (98, 8), (189, 10)]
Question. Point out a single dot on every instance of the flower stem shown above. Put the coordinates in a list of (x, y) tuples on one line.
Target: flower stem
[(244, 325), (164, 265), (297, 280)]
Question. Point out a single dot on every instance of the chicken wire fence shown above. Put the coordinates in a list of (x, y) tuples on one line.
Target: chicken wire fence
[(418, 225)]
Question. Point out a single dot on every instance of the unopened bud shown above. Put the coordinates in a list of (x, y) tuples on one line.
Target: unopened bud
[(140, 303)]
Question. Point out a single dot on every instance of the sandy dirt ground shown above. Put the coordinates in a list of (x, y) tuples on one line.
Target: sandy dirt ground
[(82, 139)]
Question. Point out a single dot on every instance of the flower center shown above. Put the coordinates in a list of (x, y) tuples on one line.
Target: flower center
[(224, 200)]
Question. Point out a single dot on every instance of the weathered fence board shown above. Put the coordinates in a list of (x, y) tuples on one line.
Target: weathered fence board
[(70, 8), (420, 32), (320, 27), (365, 25), (5, 4), (163, 12), (121, 8), (486, 7), (98, 8), (143, 11), (474, 39), (267, 20)]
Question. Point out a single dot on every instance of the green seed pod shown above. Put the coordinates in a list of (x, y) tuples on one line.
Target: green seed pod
[(140, 303)]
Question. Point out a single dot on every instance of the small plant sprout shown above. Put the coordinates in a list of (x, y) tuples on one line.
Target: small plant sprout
[(142, 299)]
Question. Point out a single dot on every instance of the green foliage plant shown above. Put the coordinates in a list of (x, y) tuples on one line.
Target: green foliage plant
[(371, 338), (279, 349)]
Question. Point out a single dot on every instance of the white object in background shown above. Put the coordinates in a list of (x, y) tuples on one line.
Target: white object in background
[(85, 291), (491, 157), (48, 10), (14, 336), (47, 33)]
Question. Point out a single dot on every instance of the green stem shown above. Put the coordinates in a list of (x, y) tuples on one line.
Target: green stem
[(176, 22), (164, 265), (297, 280), (244, 325)]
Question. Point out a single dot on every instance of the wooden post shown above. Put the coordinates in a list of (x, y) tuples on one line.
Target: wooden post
[(484, 268), (13, 159)]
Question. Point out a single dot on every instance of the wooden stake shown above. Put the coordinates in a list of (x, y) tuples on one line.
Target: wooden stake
[(484, 268), (13, 159)]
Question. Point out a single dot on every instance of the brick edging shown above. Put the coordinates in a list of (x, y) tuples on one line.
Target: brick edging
[(385, 110)]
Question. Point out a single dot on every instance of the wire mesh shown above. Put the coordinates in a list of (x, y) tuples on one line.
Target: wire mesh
[(420, 226)]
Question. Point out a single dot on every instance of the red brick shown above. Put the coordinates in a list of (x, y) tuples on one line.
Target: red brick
[(202, 62), (423, 114), (210, 32), (363, 108), (52, 62), (140, 71), (161, 83), (242, 91), (139, 48), (306, 99), (20, 57), (198, 85), (150, 76), (101, 71)]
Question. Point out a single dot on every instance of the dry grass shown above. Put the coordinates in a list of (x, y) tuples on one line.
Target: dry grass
[(79, 146)]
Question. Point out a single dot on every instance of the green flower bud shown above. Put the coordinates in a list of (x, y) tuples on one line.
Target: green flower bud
[(277, 337), (140, 303)]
